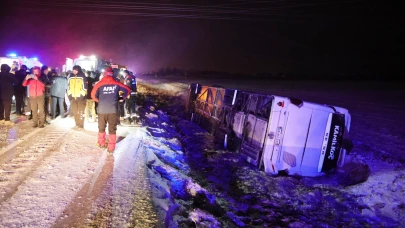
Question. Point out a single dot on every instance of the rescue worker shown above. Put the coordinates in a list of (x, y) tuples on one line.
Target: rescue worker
[(130, 81), (6, 94), (106, 93), (36, 92), (77, 91)]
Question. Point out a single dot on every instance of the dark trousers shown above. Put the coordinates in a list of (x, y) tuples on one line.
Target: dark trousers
[(47, 104), (121, 109), (111, 119), (5, 109), (19, 103), (130, 104), (60, 101), (37, 109), (78, 106)]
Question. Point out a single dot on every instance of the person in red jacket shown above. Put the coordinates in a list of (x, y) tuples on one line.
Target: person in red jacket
[(106, 93), (36, 93)]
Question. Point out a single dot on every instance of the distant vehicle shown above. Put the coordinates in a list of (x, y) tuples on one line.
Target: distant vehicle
[(15, 62), (279, 134), (91, 63)]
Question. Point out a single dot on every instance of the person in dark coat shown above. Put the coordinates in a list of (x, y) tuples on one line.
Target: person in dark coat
[(130, 81), (7, 80), (20, 90), (58, 90), (90, 103), (106, 93), (48, 84)]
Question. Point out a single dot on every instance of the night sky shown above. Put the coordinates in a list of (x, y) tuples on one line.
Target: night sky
[(306, 37)]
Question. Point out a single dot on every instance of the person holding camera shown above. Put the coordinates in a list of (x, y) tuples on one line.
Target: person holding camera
[(36, 93)]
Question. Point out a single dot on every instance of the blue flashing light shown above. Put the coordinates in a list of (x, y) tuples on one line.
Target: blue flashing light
[(35, 59), (12, 55)]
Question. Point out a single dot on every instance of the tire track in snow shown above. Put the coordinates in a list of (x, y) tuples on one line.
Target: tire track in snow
[(131, 193), (18, 163), (53, 183), (76, 212), (125, 199)]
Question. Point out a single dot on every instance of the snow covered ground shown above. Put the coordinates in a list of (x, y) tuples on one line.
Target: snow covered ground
[(58, 177), (159, 176), (377, 129)]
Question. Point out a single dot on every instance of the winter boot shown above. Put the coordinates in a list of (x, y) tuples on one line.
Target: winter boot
[(101, 140), (111, 143)]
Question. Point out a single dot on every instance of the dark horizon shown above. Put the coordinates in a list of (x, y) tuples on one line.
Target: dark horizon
[(296, 37)]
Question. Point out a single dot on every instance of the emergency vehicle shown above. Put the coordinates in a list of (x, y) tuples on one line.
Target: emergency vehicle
[(15, 62), (88, 63)]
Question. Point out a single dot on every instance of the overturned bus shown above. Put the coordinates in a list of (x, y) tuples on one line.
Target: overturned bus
[(275, 133)]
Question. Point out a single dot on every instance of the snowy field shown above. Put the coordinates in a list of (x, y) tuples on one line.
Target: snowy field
[(157, 177)]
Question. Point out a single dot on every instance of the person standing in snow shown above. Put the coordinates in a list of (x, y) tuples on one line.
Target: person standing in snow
[(58, 91), (36, 93), (77, 91), (48, 84), (19, 90), (90, 104), (106, 93), (6, 94), (130, 81)]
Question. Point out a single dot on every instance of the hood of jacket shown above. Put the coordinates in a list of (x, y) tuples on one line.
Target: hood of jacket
[(5, 69)]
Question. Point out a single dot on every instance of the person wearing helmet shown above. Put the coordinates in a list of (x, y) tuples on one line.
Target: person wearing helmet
[(77, 91), (106, 93)]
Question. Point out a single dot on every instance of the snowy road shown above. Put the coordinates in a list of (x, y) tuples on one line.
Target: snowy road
[(57, 177)]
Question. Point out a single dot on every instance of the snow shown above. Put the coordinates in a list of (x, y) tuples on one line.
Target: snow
[(44, 194), (378, 201), (37, 193), (169, 171)]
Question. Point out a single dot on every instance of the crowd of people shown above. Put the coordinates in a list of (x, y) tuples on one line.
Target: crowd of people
[(42, 94)]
